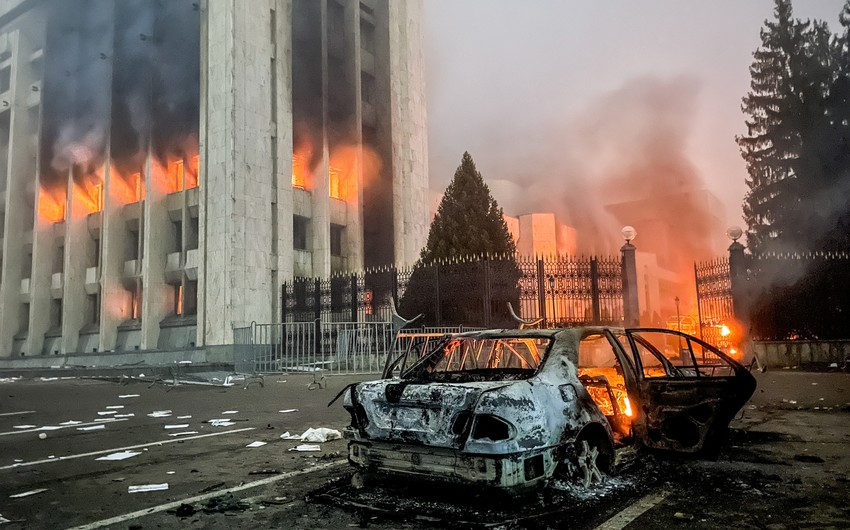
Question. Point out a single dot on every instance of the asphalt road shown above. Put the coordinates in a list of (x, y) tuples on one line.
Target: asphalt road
[(786, 466)]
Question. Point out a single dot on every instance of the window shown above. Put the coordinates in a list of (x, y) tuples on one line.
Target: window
[(334, 182), (136, 303), (175, 176), (56, 313), (336, 239), (59, 262), (367, 37), (299, 172), (132, 245), (93, 309), (190, 298), (601, 374), (299, 232), (192, 234), (26, 266), (664, 354), (177, 227), (24, 324), (178, 299), (95, 253), (5, 79), (367, 88)]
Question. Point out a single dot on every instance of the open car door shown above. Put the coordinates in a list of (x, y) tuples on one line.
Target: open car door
[(689, 390)]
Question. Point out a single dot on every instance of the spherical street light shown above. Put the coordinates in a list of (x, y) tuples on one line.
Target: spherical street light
[(629, 233), (734, 233)]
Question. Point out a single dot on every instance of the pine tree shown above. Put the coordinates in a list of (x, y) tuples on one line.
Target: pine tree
[(469, 249), (785, 105)]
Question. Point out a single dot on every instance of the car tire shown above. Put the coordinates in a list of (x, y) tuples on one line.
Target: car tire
[(585, 461)]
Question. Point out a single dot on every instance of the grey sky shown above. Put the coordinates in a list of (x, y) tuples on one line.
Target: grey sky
[(503, 75)]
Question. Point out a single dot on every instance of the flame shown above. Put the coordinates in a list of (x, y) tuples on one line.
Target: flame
[(126, 190), (627, 406), (725, 331), (192, 172), (50, 209), (88, 196), (299, 171), (733, 351)]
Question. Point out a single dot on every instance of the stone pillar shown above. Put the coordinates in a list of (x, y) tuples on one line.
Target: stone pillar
[(738, 279), (631, 308)]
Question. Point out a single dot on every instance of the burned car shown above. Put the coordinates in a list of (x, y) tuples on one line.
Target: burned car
[(516, 408)]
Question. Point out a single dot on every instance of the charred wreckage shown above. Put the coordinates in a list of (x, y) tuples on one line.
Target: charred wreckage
[(516, 409)]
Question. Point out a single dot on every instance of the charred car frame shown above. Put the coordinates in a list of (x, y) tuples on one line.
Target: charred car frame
[(514, 409)]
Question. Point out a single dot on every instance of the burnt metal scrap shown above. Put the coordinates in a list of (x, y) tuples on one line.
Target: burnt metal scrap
[(515, 409)]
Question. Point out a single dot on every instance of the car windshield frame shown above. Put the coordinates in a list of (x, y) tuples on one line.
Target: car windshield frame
[(418, 371)]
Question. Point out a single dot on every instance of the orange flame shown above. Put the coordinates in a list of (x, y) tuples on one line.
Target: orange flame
[(126, 190), (50, 209), (88, 196), (192, 172)]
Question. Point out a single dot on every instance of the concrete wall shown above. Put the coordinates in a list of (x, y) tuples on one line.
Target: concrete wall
[(801, 353)]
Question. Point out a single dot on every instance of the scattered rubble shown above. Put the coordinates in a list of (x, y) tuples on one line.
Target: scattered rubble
[(147, 487), (225, 503)]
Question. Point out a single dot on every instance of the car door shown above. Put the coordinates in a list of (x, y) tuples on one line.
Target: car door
[(689, 390)]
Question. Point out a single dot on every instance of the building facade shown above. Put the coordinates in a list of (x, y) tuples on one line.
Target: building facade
[(166, 166)]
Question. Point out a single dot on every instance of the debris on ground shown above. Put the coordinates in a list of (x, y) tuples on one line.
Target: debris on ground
[(184, 433), (147, 487), (306, 448), (226, 412), (683, 516), (811, 459), (27, 493), (221, 423), (92, 428), (265, 472), (184, 510), (177, 426), (287, 411), (209, 488), (114, 407), (225, 503), (255, 444), (160, 414), (288, 436), (320, 435), (122, 455), (127, 396)]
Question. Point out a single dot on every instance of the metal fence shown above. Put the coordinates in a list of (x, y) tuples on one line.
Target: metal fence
[(562, 290), (714, 300), (330, 347)]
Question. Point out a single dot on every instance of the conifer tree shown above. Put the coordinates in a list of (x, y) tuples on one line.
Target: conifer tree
[(469, 251)]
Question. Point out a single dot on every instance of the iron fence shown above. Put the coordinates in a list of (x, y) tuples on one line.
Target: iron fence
[(562, 290), (714, 300)]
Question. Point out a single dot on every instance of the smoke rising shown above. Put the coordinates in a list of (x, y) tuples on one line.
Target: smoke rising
[(123, 74), (628, 147)]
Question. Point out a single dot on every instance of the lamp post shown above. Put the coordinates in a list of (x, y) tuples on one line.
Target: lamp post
[(631, 307), (552, 290)]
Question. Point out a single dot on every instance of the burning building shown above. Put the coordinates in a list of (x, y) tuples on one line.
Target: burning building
[(166, 165)]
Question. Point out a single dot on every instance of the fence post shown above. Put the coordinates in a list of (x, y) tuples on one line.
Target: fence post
[(738, 284), (631, 309), (394, 284), (437, 305), (594, 291), (485, 269), (541, 292), (354, 298), (283, 302), (317, 312)]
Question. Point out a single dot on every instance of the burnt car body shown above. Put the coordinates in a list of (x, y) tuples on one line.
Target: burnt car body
[(515, 408)]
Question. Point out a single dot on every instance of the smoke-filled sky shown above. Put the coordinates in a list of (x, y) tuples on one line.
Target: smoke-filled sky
[(558, 101)]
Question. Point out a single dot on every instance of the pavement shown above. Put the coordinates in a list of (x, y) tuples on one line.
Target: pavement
[(786, 464)]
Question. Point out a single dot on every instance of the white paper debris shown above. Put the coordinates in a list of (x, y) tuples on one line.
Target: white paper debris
[(177, 426), (127, 396), (306, 448), (105, 420), (170, 472), (288, 411), (147, 487), (49, 378), (3, 520), (92, 428), (160, 414), (123, 455), (184, 417), (130, 415), (230, 412), (185, 433), (50, 428), (24, 427), (28, 493), (113, 407), (107, 413), (792, 402), (71, 422), (288, 436), (256, 444), (833, 365), (322, 434), (221, 423)]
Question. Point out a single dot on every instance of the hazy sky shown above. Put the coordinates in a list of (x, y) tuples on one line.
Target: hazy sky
[(516, 83)]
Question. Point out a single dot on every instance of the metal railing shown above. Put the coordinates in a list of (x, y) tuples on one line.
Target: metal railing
[(332, 347)]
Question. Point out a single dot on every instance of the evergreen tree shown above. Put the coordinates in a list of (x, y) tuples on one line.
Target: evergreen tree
[(469, 250), (469, 221), (786, 105)]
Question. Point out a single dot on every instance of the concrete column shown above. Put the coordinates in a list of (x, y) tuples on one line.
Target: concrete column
[(116, 299), (44, 255), (631, 308), (409, 130), (75, 303), (157, 238), (320, 223), (353, 244), (236, 186)]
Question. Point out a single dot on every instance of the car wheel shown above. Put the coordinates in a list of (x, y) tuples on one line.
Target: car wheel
[(584, 462)]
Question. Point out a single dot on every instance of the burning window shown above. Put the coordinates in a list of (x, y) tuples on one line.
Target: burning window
[(178, 299), (191, 176), (176, 176), (334, 182), (299, 172), (136, 303)]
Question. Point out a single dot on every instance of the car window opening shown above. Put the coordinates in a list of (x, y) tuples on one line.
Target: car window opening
[(601, 374)]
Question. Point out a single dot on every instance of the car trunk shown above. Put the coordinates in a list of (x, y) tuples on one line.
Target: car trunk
[(421, 413)]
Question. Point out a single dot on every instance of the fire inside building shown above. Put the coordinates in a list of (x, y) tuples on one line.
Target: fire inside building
[(167, 165)]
